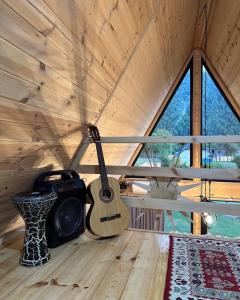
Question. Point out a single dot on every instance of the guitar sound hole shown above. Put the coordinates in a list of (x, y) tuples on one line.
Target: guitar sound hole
[(106, 195)]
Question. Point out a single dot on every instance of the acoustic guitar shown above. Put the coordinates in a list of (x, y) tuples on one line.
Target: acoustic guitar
[(108, 215)]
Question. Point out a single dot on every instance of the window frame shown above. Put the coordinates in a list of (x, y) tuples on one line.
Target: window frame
[(192, 115), (204, 64)]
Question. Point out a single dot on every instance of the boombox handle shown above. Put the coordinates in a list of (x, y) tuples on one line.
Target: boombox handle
[(65, 175)]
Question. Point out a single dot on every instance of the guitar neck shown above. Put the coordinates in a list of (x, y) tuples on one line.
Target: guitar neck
[(102, 166)]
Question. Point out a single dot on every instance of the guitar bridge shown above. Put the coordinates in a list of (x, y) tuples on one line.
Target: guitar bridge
[(110, 218)]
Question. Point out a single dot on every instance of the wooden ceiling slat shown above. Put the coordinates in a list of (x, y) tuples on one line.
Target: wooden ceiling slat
[(223, 43), (27, 38), (48, 25), (21, 65)]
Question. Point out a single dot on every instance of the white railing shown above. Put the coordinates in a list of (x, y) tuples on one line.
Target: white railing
[(182, 204)]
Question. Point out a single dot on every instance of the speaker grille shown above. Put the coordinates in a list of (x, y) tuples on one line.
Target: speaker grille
[(68, 216)]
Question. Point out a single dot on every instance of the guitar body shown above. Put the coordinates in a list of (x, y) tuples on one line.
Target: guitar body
[(110, 217)]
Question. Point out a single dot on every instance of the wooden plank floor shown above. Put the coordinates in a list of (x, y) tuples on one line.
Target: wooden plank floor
[(130, 266)]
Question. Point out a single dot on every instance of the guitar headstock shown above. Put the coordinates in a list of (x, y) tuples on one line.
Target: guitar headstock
[(94, 133)]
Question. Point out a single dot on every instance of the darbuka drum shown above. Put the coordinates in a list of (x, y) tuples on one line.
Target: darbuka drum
[(33, 208)]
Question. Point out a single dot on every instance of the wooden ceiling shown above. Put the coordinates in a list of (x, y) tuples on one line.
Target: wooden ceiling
[(67, 63), (223, 41)]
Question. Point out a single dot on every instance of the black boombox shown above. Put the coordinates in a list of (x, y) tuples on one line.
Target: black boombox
[(66, 219)]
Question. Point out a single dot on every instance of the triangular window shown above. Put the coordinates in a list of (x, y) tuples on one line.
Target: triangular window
[(218, 118), (175, 120)]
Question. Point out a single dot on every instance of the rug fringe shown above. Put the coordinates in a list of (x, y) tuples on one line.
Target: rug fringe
[(205, 236)]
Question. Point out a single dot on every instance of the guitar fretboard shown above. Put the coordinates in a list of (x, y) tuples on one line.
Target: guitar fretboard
[(102, 166)]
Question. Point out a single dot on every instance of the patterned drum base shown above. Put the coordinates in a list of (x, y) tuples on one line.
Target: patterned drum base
[(33, 208)]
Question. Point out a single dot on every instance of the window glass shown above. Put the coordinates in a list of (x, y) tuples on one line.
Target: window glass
[(226, 225), (179, 222), (218, 119), (175, 121)]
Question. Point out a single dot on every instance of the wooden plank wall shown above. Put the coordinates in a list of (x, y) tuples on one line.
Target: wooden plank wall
[(148, 77), (58, 66), (66, 63), (223, 43), (63, 65)]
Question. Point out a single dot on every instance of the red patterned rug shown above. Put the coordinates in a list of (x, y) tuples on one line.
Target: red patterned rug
[(201, 268)]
